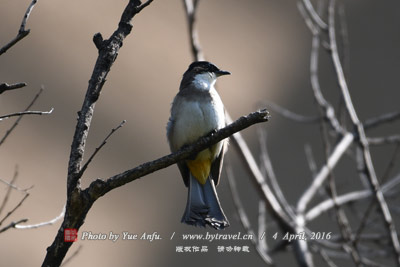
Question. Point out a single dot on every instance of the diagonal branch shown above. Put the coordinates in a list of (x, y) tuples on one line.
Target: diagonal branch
[(99, 187), (98, 148), (244, 218), (22, 33)]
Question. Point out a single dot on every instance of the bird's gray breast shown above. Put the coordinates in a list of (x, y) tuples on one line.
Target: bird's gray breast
[(196, 116)]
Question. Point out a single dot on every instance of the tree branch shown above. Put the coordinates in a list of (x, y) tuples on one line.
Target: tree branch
[(108, 51), (99, 187), (20, 117), (7, 87), (28, 112), (191, 8), (373, 180), (78, 202), (101, 145), (22, 33)]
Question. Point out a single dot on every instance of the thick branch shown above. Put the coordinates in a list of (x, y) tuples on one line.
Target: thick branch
[(78, 203), (108, 51)]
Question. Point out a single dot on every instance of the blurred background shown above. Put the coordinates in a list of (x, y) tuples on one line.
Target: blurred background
[(264, 44)]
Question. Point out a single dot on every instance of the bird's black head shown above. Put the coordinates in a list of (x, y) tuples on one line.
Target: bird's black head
[(199, 67)]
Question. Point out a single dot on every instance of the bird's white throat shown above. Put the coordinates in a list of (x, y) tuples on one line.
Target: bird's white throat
[(205, 81)]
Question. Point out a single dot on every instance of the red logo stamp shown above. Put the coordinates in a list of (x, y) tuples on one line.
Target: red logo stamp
[(70, 235)]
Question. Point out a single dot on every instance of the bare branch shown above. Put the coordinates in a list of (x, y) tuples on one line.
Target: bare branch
[(6, 197), (267, 164), (7, 87), (14, 209), (337, 153), (38, 225), (99, 187), (243, 216), (191, 8), (326, 107), (385, 118), (310, 24), (360, 131), (20, 117), (101, 145), (108, 51), (78, 202), (392, 139), (314, 15), (22, 33), (28, 112), (292, 115), (12, 225)]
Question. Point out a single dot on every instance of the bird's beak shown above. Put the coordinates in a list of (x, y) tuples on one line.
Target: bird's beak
[(222, 72)]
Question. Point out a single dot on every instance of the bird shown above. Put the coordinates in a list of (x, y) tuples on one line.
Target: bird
[(197, 110)]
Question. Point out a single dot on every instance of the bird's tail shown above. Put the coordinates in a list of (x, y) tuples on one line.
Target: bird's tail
[(203, 205)]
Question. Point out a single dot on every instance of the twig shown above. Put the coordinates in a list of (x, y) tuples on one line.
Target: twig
[(243, 216), (385, 118), (16, 187), (266, 161), (28, 112), (14, 209), (360, 131), (333, 159), (262, 226), (314, 15), (292, 115), (392, 139), (327, 108), (372, 203), (191, 8), (345, 39), (12, 225), (5, 200), (38, 225), (101, 145), (20, 117), (7, 87), (22, 31), (309, 23), (313, 167)]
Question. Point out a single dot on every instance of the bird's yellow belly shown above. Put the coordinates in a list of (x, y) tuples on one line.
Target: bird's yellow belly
[(201, 165)]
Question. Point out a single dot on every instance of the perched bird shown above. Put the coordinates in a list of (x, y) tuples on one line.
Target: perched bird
[(196, 111)]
